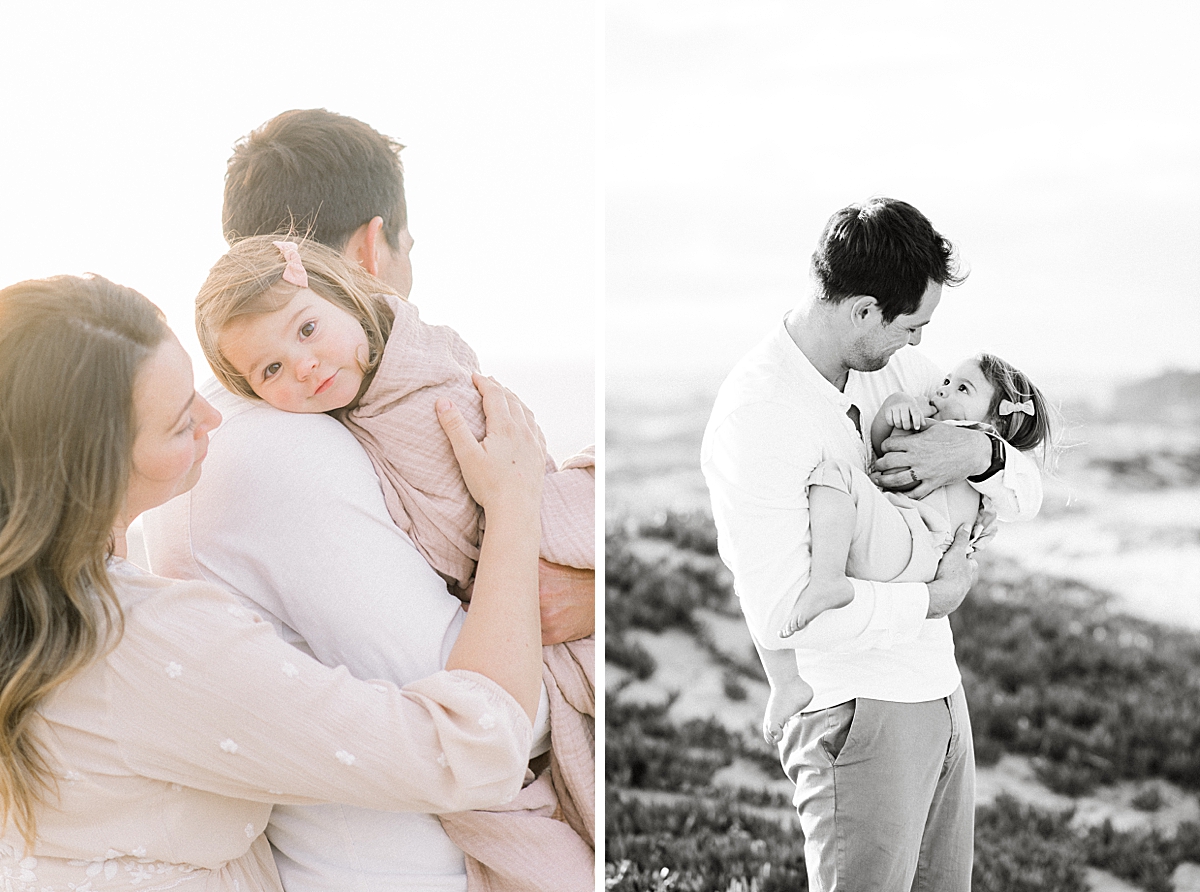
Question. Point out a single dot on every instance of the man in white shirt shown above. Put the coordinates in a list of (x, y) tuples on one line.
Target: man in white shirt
[(289, 514), (887, 729)]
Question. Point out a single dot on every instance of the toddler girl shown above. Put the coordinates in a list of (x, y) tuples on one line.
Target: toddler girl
[(861, 532), (297, 325), (303, 329)]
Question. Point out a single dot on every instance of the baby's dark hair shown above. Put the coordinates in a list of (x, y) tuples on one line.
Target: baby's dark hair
[(1023, 429)]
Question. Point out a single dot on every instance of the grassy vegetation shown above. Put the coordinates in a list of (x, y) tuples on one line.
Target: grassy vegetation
[(1049, 673), (697, 844), (1095, 697)]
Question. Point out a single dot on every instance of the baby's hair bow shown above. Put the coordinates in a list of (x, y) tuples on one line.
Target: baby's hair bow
[(1007, 408), (294, 272)]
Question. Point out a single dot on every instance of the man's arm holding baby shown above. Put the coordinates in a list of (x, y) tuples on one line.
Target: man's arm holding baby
[(941, 454), (757, 463), (568, 597)]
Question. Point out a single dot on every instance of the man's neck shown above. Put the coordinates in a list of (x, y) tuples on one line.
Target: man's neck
[(814, 336)]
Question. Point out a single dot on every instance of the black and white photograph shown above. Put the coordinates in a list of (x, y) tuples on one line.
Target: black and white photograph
[(1016, 711)]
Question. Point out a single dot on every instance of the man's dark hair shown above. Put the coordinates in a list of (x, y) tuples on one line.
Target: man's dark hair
[(315, 172), (886, 249)]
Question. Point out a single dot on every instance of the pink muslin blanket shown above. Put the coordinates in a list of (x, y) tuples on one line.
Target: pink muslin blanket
[(545, 838), (425, 493)]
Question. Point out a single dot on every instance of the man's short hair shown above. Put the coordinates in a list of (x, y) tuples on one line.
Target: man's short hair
[(315, 172), (886, 249)]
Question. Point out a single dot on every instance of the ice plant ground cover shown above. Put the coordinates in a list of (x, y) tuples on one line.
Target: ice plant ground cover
[(1079, 646)]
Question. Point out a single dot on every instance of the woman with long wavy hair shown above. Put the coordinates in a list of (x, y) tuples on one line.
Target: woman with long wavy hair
[(146, 725)]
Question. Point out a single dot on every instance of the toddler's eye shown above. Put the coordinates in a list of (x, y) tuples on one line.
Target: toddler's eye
[(271, 370), (308, 328), (962, 387)]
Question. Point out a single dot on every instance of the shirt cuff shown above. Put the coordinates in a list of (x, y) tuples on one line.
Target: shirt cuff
[(997, 461)]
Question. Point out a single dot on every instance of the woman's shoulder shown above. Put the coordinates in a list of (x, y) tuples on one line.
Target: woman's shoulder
[(156, 602)]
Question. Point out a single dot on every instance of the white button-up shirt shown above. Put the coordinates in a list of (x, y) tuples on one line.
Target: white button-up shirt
[(775, 418), (288, 515)]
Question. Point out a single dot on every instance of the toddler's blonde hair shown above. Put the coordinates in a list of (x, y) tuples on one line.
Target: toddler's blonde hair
[(248, 280)]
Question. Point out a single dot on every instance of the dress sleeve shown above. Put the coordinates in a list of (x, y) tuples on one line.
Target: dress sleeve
[(203, 693), (757, 462)]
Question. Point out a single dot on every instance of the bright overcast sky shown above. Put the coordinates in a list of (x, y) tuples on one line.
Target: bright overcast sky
[(1057, 144), (118, 119)]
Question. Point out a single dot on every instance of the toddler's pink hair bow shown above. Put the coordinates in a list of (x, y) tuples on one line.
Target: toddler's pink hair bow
[(1007, 408), (294, 272)]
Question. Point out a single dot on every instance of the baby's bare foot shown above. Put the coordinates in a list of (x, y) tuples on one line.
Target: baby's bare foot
[(785, 701), (821, 594)]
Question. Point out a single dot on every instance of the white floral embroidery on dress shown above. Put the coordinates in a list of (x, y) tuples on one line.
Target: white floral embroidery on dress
[(174, 670), (487, 721), (379, 688), (344, 757), (137, 869), (290, 670), (108, 866), (72, 776), (249, 831), (229, 746), (17, 876), (138, 874), (441, 759), (175, 788), (235, 610)]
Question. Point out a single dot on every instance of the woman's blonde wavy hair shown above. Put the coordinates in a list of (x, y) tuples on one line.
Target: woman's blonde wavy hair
[(70, 349), (248, 280)]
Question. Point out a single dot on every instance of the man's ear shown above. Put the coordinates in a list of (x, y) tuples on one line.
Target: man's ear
[(363, 245), (862, 307)]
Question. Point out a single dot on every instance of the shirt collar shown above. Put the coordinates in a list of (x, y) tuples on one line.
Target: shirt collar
[(804, 370)]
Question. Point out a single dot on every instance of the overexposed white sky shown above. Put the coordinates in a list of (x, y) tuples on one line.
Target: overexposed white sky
[(118, 119), (1057, 145)]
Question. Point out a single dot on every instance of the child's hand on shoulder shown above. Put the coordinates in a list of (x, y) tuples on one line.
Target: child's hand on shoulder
[(904, 412)]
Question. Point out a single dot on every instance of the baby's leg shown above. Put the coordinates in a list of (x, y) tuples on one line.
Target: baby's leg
[(856, 532), (789, 692), (831, 515)]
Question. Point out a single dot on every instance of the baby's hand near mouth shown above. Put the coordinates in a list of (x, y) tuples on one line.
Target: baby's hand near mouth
[(906, 412)]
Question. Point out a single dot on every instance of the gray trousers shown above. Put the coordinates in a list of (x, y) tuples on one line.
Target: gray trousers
[(886, 794)]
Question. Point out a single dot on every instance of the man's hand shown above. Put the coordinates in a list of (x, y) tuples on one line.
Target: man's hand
[(985, 527), (938, 455), (568, 597), (955, 575)]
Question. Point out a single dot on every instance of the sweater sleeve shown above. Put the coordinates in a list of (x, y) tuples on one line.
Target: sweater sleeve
[(202, 693)]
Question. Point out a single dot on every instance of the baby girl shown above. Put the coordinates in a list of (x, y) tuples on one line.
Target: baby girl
[(861, 532)]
